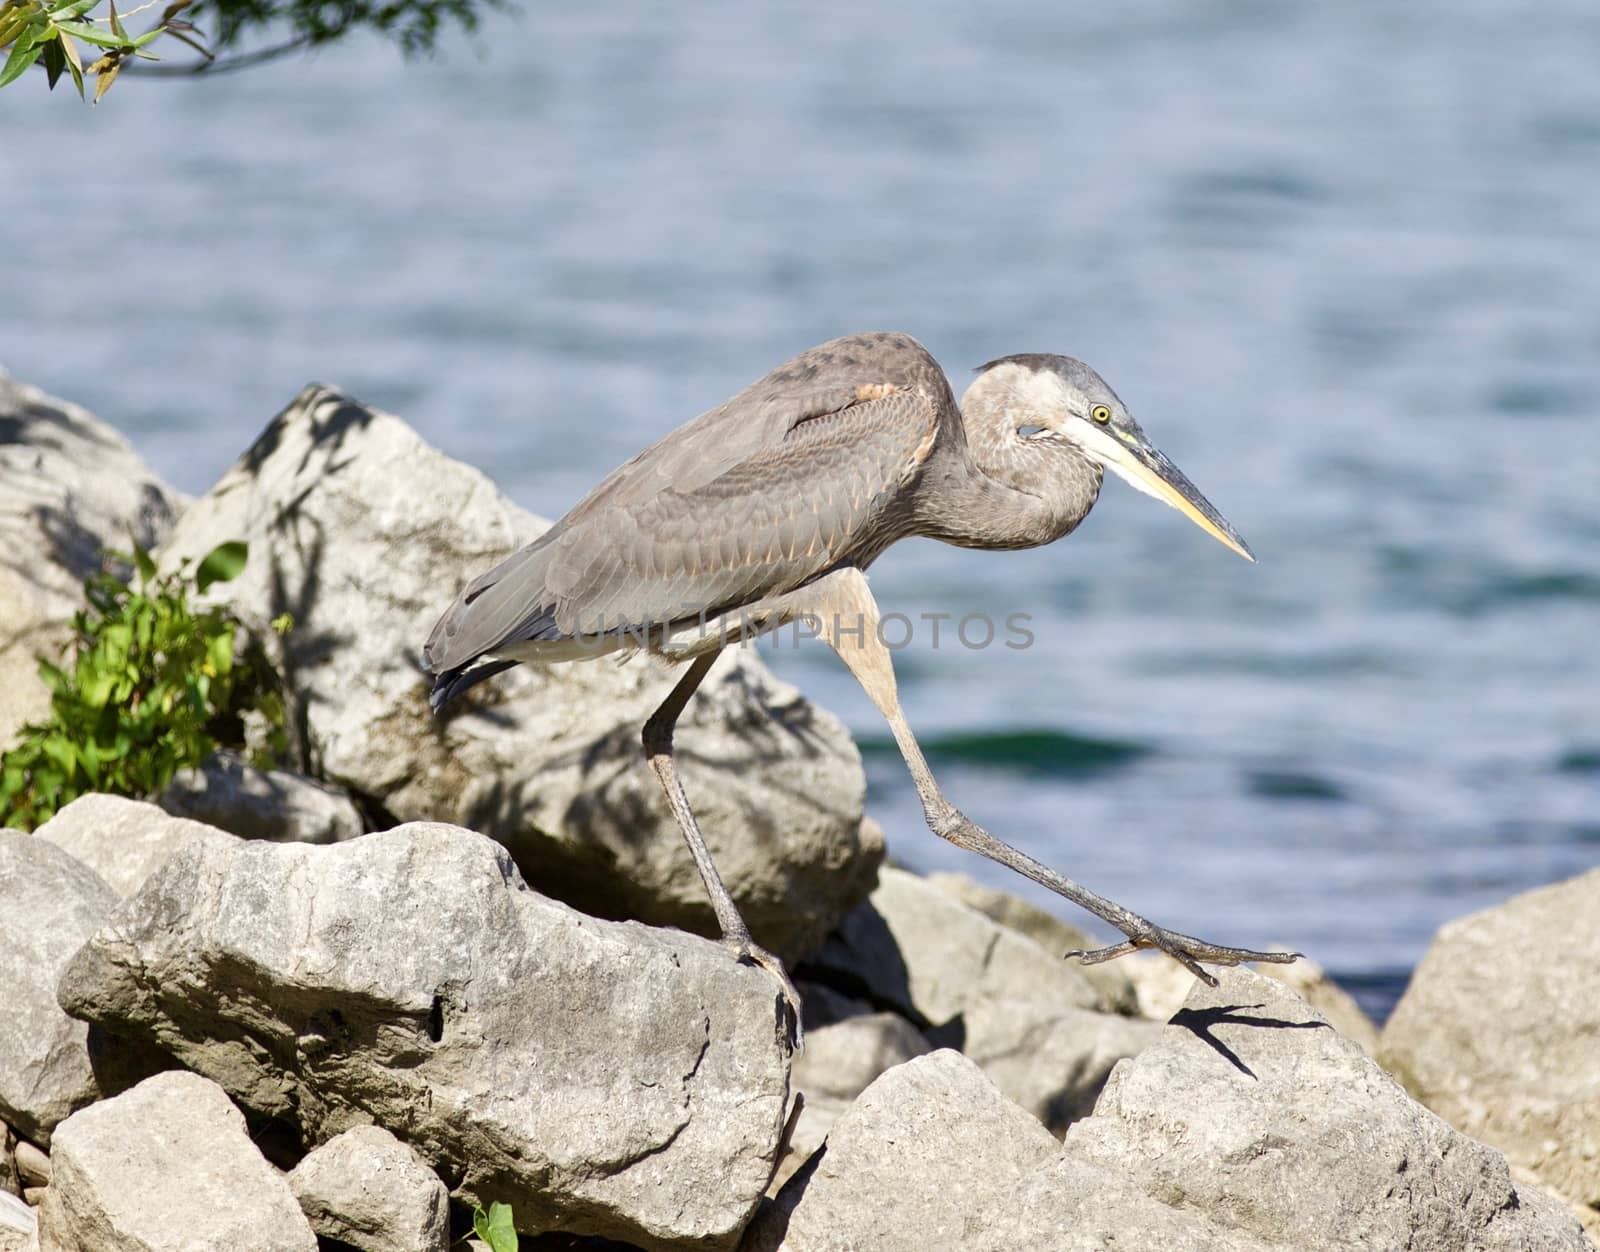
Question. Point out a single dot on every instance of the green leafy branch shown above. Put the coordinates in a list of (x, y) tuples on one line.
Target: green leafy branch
[(148, 685), (38, 31), (50, 34)]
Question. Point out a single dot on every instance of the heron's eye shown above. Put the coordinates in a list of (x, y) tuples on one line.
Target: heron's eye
[(1100, 414)]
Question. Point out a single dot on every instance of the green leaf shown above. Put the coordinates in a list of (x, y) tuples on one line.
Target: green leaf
[(23, 54), (222, 564), (55, 60), (62, 752), (97, 689), (89, 759), (495, 1228), (116, 24), (12, 19), (72, 8), (117, 638), (147, 36), (38, 31), (18, 22), (220, 652), (145, 564), (73, 63), (90, 34)]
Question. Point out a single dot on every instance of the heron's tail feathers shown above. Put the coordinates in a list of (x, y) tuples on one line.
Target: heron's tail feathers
[(448, 685)]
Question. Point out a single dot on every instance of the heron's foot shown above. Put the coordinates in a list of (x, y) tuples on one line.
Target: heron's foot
[(747, 951), (1184, 949)]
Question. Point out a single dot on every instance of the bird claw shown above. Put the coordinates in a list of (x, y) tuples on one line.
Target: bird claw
[(790, 1032), (1185, 949)]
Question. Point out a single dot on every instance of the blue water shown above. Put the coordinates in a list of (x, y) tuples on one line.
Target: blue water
[(1343, 261)]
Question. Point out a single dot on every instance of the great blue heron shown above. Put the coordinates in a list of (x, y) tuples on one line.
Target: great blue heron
[(770, 508)]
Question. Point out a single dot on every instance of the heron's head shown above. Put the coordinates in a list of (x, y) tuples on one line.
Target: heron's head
[(1060, 399)]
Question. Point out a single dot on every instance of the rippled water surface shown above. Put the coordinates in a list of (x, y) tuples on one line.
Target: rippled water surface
[(1343, 261)]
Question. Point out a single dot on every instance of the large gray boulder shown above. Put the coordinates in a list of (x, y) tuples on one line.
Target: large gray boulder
[(843, 1056), (1035, 1023), (1253, 1113), (364, 534), (927, 1157), (1055, 936), (920, 951), (70, 487), (166, 1167), (367, 1189), (1499, 1033), (49, 904), (603, 1078), (934, 1158), (1052, 1061), (122, 840), (1250, 1126)]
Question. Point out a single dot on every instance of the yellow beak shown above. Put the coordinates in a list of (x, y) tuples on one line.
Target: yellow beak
[(1144, 466)]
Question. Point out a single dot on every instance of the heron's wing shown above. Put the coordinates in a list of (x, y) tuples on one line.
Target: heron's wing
[(821, 381), (827, 493), (642, 550)]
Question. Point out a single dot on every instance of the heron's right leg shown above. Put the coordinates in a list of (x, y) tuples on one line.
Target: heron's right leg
[(848, 620), (735, 934)]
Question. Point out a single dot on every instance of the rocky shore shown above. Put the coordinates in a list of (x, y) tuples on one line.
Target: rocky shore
[(436, 965)]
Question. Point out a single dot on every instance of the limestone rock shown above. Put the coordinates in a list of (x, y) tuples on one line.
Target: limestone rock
[(1499, 1033), (1256, 1115), (1311, 982), (369, 1190), (1250, 1127), (32, 1165), (70, 487), (926, 1157), (1052, 1061), (1161, 986), (1074, 1205), (1048, 931), (595, 1075), (841, 1059), (18, 1224), (232, 795), (364, 534), (122, 840), (166, 1165), (913, 948), (1034, 1022), (49, 904)]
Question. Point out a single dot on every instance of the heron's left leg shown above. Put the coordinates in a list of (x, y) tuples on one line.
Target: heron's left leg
[(847, 617), (658, 751)]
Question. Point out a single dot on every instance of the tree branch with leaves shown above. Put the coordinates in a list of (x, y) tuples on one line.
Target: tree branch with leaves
[(48, 35)]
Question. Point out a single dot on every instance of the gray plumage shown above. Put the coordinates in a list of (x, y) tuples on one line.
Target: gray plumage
[(770, 506), (826, 461)]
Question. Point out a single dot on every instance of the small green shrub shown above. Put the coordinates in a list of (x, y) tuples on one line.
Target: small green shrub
[(147, 686)]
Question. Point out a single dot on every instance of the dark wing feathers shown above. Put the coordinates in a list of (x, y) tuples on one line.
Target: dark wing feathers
[(793, 475)]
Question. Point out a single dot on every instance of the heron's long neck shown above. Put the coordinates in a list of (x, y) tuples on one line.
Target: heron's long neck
[(1001, 490)]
